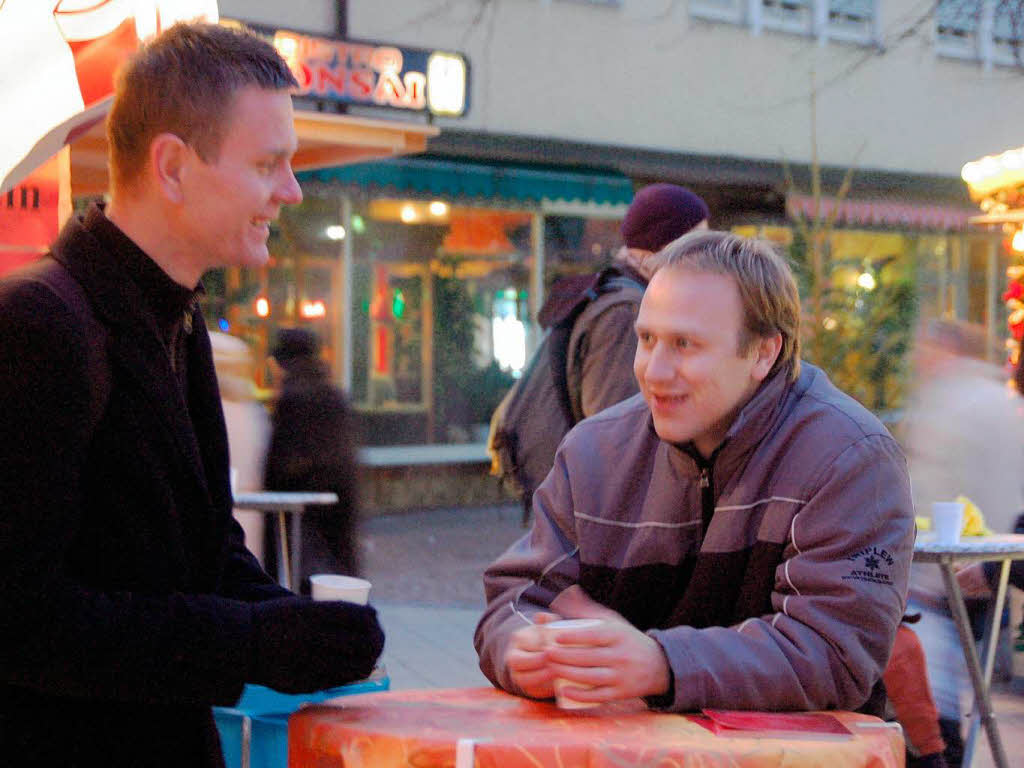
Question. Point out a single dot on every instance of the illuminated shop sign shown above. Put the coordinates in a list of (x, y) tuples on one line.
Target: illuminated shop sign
[(374, 74)]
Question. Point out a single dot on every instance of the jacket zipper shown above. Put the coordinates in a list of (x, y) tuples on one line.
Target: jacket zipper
[(707, 496), (186, 326)]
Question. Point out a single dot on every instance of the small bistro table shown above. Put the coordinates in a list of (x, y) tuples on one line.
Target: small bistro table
[(1002, 549), (282, 504), (487, 728)]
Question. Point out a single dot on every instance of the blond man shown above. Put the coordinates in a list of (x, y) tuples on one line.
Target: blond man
[(744, 528)]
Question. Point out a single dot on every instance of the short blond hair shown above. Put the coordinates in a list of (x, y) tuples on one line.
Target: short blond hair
[(768, 291), (184, 81)]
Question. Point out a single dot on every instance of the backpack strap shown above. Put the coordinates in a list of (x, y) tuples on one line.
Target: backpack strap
[(609, 279), (56, 276)]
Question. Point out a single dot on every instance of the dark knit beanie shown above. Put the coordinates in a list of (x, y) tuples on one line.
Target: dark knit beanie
[(294, 344), (659, 214)]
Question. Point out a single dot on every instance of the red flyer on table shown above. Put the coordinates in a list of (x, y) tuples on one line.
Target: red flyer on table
[(724, 721)]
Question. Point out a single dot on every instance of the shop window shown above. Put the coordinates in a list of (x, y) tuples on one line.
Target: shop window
[(575, 245), (440, 295), (862, 333)]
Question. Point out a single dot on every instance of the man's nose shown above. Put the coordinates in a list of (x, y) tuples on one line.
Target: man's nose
[(289, 192), (659, 364)]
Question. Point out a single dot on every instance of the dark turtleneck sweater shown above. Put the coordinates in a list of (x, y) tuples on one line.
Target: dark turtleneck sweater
[(170, 304)]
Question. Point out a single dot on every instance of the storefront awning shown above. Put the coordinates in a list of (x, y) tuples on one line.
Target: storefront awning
[(325, 140), (885, 213), (478, 181)]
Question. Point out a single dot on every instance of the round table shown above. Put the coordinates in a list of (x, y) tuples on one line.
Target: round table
[(487, 728)]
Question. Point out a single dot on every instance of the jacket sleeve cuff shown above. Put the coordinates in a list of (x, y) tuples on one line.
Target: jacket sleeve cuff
[(670, 701)]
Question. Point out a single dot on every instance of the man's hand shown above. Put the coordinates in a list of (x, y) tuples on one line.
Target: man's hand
[(622, 661), (615, 657), (526, 661), (972, 581)]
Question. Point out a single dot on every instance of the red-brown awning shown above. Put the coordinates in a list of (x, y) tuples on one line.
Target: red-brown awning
[(884, 213)]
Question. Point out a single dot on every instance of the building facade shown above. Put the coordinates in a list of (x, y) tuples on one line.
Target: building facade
[(423, 273)]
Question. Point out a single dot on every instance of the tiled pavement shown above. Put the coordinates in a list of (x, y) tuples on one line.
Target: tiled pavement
[(426, 568)]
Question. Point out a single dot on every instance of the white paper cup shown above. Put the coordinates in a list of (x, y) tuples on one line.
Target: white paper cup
[(947, 521), (331, 586), (551, 631)]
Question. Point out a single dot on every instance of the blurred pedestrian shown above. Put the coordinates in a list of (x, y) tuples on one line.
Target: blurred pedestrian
[(128, 602), (963, 437), (248, 425), (312, 448)]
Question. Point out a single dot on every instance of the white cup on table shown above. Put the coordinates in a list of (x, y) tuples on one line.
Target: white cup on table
[(333, 586), (947, 521), (551, 632)]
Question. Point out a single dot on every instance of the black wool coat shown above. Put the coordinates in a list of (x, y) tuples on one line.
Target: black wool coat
[(125, 586)]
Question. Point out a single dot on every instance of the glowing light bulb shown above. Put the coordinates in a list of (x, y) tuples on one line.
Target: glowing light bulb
[(1018, 240), (335, 232), (866, 281), (263, 306), (408, 213), (438, 208)]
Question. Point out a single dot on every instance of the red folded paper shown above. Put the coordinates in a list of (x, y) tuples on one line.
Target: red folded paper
[(723, 721)]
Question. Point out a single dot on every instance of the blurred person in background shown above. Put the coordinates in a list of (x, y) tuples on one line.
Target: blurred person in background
[(963, 436), (248, 425), (313, 448), (128, 601)]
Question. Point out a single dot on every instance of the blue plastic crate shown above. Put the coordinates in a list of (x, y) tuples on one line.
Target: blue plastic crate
[(264, 712)]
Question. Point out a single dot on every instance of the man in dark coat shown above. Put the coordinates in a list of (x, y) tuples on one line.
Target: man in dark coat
[(312, 449), (128, 602)]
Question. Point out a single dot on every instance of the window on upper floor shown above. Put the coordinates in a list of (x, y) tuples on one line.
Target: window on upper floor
[(852, 20), (734, 11), (956, 28), (846, 20), (614, 3), (788, 15), (1007, 33), (990, 31)]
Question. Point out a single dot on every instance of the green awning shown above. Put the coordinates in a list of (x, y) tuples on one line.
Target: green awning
[(480, 182)]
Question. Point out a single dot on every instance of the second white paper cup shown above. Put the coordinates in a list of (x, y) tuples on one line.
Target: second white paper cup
[(331, 586), (947, 521), (552, 631)]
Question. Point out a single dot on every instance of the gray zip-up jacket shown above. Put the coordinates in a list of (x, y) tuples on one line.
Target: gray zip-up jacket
[(773, 575)]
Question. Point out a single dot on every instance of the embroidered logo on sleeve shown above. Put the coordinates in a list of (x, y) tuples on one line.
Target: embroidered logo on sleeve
[(871, 564)]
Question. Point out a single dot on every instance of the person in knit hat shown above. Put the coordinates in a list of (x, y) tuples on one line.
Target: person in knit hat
[(596, 362), (659, 214)]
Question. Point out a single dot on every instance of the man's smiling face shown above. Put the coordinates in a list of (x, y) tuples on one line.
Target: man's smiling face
[(689, 363)]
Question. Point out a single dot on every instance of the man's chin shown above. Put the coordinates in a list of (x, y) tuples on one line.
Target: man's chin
[(672, 433)]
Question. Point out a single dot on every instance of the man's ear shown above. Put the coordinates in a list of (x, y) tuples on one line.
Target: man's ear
[(766, 349), (168, 161)]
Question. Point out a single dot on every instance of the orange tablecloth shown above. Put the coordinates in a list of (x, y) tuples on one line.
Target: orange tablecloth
[(422, 729)]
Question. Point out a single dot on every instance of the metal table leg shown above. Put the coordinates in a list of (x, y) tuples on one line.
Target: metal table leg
[(295, 558), (989, 643), (982, 703), (284, 564)]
